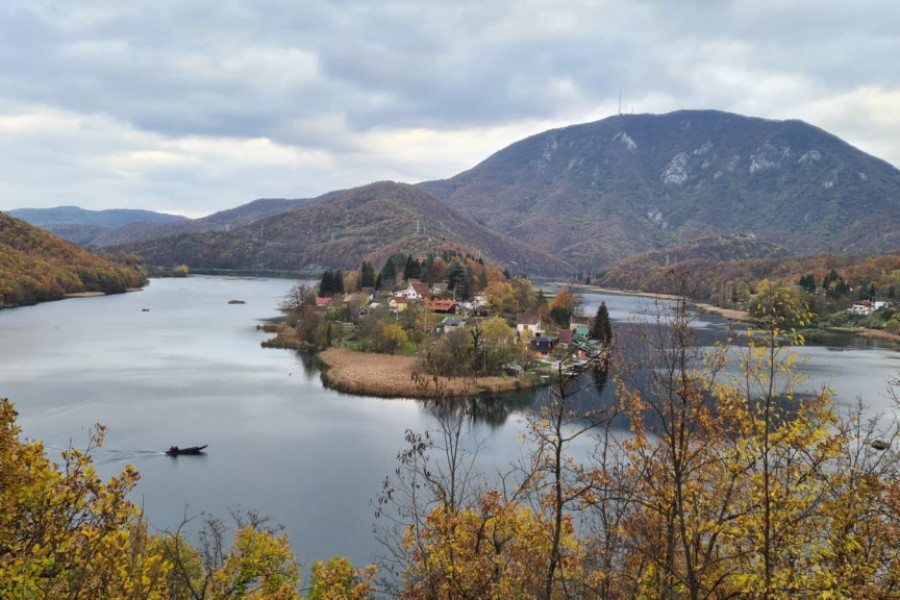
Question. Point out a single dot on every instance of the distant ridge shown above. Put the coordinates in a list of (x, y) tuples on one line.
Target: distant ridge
[(233, 217), (594, 193), (365, 223), (120, 226), (578, 198), (73, 215)]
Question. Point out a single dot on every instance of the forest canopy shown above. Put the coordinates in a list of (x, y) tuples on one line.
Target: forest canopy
[(36, 266)]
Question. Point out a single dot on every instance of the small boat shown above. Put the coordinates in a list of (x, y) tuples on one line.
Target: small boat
[(176, 451)]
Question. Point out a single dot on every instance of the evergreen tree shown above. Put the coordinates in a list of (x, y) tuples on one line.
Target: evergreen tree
[(455, 274), (325, 283), (425, 272), (601, 328), (366, 275), (332, 283), (808, 283), (540, 300), (388, 271), (412, 270), (863, 293)]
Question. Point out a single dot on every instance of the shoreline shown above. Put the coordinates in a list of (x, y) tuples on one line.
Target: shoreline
[(731, 314), (728, 313), (97, 294), (875, 334), (740, 315), (392, 376)]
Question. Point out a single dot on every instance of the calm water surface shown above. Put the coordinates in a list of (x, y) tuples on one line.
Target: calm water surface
[(190, 370)]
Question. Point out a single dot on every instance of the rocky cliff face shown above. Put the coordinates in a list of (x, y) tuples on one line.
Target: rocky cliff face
[(598, 192)]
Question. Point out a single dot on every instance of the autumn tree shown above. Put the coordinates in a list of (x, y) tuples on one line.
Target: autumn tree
[(676, 473), (393, 338), (564, 306), (350, 282), (729, 470), (502, 297), (64, 533), (856, 556), (338, 579), (435, 478), (787, 444), (301, 294), (780, 304), (559, 486), (449, 356)]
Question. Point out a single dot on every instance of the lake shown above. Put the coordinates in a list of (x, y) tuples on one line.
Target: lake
[(177, 364)]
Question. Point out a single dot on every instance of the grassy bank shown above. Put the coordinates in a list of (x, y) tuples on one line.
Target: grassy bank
[(285, 336)]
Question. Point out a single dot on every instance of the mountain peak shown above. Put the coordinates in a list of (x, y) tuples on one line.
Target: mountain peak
[(601, 191)]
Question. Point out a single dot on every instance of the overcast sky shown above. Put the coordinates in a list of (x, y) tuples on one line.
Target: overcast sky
[(196, 106)]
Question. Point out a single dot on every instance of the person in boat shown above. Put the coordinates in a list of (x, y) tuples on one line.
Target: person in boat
[(173, 449)]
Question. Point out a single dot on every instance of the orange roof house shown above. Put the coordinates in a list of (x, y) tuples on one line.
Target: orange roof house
[(445, 306)]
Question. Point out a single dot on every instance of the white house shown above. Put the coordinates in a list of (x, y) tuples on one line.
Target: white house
[(867, 307), (416, 290), (529, 322)]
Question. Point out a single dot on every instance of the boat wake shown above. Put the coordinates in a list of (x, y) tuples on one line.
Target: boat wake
[(106, 456)]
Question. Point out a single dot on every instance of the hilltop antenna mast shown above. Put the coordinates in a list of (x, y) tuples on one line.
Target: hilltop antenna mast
[(620, 103)]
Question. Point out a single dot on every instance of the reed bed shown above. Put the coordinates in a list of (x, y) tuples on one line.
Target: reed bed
[(395, 376)]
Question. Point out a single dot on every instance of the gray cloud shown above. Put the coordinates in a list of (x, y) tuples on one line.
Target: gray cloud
[(198, 106)]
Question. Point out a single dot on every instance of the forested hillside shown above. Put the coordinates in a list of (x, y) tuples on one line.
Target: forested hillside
[(370, 222), (74, 215), (599, 192), (36, 266), (726, 272)]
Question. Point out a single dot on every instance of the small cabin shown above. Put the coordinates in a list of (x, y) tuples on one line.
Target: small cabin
[(541, 344)]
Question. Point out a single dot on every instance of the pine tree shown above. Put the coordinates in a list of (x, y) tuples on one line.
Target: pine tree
[(388, 271), (412, 269), (456, 274), (601, 328), (366, 275)]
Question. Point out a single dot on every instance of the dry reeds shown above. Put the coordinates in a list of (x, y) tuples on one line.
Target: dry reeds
[(393, 376)]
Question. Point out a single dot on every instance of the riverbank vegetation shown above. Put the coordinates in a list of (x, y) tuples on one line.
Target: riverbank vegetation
[(391, 376), (840, 291), (450, 316)]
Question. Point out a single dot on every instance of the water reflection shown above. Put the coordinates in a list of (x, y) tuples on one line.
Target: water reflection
[(311, 367), (492, 411)]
